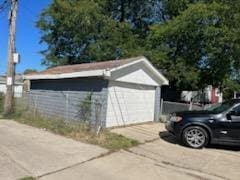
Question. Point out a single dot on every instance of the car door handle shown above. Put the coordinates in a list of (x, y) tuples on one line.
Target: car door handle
[(223, 132)]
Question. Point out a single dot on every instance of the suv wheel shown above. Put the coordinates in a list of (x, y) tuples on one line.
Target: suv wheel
[(195, 137)]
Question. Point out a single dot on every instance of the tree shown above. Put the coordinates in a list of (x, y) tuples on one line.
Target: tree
[(173, 8), (73, 29), (28, 71), (140, 14), (230, 86), (78, 31), (198, 47)]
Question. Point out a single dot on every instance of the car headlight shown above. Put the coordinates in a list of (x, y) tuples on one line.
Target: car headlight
[(175, 118)]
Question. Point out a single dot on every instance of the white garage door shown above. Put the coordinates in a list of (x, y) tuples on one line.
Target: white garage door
[(129, 104)]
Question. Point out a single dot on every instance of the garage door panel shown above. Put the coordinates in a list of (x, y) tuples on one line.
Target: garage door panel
[(129, 104)]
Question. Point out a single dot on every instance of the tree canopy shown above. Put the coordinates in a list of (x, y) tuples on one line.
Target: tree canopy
[(28, 71), (78, 31)]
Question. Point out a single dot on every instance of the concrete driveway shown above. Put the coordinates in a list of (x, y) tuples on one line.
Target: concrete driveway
[(27, 151), (214, 162)]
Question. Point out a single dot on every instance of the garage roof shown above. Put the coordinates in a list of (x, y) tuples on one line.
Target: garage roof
[(86, 66), (95, 69)]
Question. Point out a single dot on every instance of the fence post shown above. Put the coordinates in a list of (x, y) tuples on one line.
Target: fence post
[(98, 113), (191, 104), (35, 105), (157, 109), (235, 94), (161, 106), (67, 108)]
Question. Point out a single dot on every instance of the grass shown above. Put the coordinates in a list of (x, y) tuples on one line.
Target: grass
[(76, 131)]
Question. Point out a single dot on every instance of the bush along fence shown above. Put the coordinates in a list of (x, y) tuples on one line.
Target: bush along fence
[(71, 107)]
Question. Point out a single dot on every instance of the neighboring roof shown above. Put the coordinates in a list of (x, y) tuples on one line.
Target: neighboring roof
[(103, 69), (18, 79)]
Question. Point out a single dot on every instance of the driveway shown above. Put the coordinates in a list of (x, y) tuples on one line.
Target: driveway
[(214, 162), (27, 151)]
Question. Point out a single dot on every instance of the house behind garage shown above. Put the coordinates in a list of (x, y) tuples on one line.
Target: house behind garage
[(121, 92), (18, 85)]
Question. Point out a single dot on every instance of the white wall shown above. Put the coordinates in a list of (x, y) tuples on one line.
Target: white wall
[(18, 90), (137, 74), (2, 88), (129, 104)]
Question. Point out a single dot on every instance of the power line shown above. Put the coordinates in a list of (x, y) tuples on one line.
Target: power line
[(4, 5)]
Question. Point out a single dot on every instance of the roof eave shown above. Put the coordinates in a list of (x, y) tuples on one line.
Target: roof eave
[(92, 73)]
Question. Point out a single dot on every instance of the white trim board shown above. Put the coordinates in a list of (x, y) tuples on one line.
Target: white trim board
[(67, 75)]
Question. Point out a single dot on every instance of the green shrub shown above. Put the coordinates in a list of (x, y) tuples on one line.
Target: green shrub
[(85, 109)]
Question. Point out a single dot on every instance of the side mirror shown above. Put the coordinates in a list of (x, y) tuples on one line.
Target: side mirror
[(230, 114)]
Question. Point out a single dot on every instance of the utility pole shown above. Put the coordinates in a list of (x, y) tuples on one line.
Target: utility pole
[(10, 78), (235, 94)]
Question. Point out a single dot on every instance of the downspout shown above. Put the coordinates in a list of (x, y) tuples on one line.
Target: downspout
[(106, 74), (157, 108)]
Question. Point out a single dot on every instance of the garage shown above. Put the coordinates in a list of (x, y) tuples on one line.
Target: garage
[(128, 91)]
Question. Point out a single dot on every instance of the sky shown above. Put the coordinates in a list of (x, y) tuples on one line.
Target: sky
[(27, 36)]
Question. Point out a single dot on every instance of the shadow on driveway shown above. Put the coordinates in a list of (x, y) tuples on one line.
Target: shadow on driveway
[(166, 136)]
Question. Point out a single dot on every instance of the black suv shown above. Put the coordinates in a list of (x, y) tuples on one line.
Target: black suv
[(219, 124)]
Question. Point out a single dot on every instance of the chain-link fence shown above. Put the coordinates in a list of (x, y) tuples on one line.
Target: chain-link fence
[(170, 107), (71, 107)]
